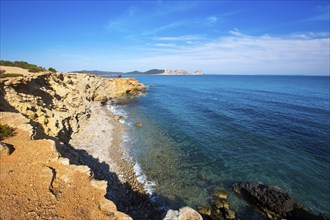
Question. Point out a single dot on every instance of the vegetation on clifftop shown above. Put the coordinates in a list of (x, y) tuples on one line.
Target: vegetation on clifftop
[(10, 75), (22, 64)]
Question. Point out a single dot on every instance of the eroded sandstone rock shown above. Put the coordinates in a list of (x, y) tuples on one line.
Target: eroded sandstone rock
[(58, 101)]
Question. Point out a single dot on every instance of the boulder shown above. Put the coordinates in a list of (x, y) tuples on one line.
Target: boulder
[(185, 213), (220, 194), (219, 207), (204, 211)]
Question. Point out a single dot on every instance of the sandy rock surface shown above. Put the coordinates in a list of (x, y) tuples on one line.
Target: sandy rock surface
[(36, 183)]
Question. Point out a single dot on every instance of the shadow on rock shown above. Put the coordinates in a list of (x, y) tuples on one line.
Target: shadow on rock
[(137, 205)]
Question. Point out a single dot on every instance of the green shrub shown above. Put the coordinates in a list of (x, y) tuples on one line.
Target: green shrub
[(10, 75), (33, 70), (22, 64), (6, 131), (52, 70)]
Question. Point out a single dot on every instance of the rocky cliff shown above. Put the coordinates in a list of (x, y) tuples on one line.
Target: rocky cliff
[(36, 182), (58, 101)]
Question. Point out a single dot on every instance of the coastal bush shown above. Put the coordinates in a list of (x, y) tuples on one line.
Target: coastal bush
[(10, 75), (33, 70), (2, 72), (6, 131), (22, 64), (52, 70)]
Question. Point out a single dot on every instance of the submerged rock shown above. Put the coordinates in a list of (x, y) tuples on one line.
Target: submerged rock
[(185, 213), (219, 207), (138, 124), (204, 211), (273, 202), (121, 118), (220, 194)]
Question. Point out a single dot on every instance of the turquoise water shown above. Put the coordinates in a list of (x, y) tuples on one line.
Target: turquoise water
[(204, 132)]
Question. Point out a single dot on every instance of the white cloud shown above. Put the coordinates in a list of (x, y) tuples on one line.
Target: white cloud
[(243, 54)]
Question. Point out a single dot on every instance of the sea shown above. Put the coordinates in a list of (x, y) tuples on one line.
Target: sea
[(207, 132)]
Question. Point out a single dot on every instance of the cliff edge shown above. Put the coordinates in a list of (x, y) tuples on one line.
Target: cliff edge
[(58, 101)]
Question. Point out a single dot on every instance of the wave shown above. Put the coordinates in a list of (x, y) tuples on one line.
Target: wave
[(119, 113), (142, 178)]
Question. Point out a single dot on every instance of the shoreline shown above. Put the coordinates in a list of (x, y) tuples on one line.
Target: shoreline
[(106, 133), (107, 160)]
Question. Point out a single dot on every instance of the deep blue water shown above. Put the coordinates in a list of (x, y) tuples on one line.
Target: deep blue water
[(204, 132)]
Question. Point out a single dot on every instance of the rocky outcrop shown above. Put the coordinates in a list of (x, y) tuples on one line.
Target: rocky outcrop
[(273, 202), (36, 183), (185, 213), (219, 207), (58, 101)]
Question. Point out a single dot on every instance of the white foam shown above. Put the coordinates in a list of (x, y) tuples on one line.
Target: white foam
[(118, 112), (142, 178)]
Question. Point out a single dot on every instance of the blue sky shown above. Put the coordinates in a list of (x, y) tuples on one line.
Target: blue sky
[(225, 37)]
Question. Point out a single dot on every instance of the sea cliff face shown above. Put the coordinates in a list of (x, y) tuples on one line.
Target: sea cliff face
[(36, 181), (58, 101)]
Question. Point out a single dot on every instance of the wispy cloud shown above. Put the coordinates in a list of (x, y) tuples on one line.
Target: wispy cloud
[(180, 38), (212, 19), (123, 22), (323, 14), (166, 27), (164, 45), (236, 32)]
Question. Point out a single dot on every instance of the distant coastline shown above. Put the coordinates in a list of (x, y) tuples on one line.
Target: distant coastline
[(133, 73)]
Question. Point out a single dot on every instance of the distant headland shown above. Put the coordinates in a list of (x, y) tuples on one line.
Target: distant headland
[(136, 72)]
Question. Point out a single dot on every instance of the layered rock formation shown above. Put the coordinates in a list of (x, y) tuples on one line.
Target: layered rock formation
[(58, 101)]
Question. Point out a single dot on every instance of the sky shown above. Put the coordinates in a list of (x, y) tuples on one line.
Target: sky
[(218, 37)]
